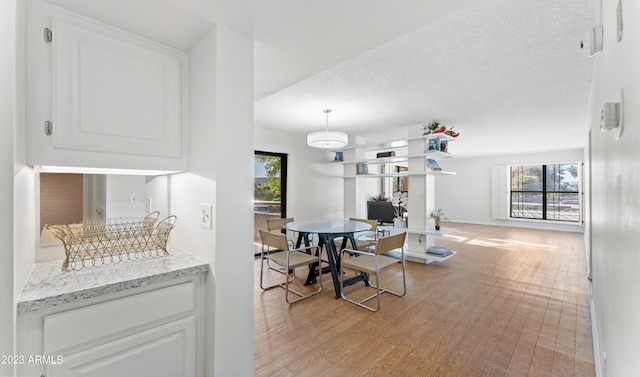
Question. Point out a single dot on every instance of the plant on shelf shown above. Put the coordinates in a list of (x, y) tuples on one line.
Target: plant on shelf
[(435, 127), (438, 216), (451, 132), (379, 198), (399, 201)]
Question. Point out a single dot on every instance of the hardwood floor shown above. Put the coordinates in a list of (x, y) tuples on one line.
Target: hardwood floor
[(513, 302)]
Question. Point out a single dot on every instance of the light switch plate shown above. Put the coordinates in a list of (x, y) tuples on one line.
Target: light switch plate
[(206, 212)]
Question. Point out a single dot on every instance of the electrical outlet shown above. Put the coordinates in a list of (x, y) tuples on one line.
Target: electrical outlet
[(206, 212)]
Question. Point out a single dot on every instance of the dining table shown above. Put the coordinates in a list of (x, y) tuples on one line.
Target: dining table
[(328, 231)]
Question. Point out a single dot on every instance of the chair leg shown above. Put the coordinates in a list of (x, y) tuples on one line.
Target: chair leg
[(361, 302), (301, 296), (262, 274), (377, 287), (285, 286), (274, 268), (404, 285)]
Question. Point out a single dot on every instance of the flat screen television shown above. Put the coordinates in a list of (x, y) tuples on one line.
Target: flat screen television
[(381, 211)]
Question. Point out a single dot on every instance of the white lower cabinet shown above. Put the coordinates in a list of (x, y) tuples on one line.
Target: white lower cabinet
[(139, 332), (166, 350)]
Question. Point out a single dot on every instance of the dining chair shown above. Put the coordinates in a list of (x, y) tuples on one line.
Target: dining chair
[(364, 240), (373, 263), (277, 225), (275, 248)]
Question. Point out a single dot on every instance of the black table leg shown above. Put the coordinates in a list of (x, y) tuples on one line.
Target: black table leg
[(333, 257), (334, 262), (314, 267)]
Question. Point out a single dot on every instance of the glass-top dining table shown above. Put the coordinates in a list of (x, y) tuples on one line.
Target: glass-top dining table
[(327, 232)]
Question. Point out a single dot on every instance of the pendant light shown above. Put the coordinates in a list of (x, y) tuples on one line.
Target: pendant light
[(327, 139)]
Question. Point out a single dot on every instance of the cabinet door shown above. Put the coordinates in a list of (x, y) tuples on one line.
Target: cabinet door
[(114, 93), (114, 99), (167, 350)]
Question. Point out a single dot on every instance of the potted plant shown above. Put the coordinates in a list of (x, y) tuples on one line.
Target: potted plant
[(435, 127), (438, 216), (379, 198), (399, 201)]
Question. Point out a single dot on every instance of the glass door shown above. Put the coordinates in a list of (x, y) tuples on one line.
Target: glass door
[(270, 191)]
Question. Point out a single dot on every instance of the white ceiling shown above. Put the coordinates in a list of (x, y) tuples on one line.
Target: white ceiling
[(510, 76)]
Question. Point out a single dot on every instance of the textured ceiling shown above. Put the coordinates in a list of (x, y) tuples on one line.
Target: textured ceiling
[(509, 75)]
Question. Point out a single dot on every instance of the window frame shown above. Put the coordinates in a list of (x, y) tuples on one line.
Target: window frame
[(544, 192), (283, 177)]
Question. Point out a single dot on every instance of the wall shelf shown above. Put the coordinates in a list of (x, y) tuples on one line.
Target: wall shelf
[(383, 160), (420, 180), (437, 155), (395, 144), (396, 175), (442, 232)]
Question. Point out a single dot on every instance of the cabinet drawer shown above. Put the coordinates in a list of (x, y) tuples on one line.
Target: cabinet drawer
[(121, 316)]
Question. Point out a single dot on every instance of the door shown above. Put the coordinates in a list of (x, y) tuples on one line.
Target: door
[(270, 190)]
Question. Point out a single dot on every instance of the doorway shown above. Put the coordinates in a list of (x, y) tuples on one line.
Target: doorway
[(270, 191)]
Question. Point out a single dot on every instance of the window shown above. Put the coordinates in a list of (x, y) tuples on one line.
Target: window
[(270, 190), (546, 192)]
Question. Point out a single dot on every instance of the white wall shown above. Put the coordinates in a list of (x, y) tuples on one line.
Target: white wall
[(616, 202), (466, 197), (313, 189), (121, 187), (119, 190)]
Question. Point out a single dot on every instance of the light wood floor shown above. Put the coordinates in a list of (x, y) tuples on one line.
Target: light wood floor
[(513, 302)]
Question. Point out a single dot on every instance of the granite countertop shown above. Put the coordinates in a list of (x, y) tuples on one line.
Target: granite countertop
[(48, 286)]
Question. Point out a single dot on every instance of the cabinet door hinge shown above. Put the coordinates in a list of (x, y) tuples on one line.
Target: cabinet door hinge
[(48, 35), (48, 128)]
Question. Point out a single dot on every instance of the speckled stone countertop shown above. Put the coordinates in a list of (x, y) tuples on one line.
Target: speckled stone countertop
[(49, 286)]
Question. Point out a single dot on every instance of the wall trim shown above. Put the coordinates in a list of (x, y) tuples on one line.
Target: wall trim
[(525, 224), (594, 336)]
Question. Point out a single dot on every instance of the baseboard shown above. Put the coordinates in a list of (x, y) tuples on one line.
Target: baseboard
[(529, 224), (596, 343)]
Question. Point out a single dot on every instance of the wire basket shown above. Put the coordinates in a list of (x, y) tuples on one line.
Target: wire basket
[(116, 240)]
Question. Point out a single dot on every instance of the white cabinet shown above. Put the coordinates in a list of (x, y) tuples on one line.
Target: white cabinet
[(102, 97), (161, 351), (148, 331)]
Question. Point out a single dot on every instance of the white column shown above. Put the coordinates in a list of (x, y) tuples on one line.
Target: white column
[(233, 265), (421, 195), (355, 201)]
